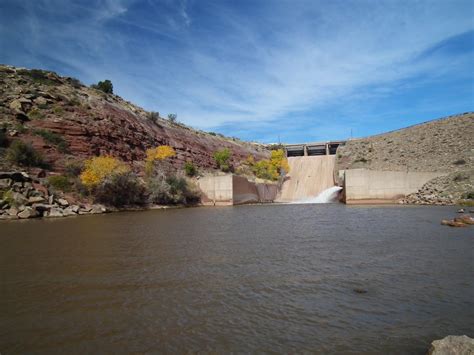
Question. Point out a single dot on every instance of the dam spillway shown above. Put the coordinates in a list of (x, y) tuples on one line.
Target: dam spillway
[(308, 177)]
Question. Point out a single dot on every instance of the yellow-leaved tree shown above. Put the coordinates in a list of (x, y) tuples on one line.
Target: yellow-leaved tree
[(160, 153), (273, 168), (279, 161), (97, 169)]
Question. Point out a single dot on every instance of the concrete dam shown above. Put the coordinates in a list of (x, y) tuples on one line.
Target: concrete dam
[(308, 177), (313, 179)]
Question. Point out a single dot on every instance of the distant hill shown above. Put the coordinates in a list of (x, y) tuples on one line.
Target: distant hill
[(443, 145), (65, 120)]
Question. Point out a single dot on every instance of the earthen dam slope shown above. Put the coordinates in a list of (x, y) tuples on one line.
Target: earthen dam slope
[(308, 176)]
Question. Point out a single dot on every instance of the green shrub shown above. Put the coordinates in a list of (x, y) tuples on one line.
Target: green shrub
[(153, 116), (53, 138), (221, 158), (60, 182), (276, 146), (173, 190), (20, 128), (459, 162), (172, 117), (58, 110), (75, 83), (190, 169), (121, 190), (469, 195), (24, 154), (35, 114), (38, 76), (213, 133), (74, 168), (105, 86)]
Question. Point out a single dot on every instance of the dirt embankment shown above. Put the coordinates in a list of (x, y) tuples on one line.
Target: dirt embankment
[(445, 145), (91, 122)]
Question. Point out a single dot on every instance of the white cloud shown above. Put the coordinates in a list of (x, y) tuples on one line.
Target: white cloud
[(248, 65)]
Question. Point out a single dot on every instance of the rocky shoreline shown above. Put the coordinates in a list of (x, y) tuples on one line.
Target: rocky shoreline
[(27, 198), (24, 198)]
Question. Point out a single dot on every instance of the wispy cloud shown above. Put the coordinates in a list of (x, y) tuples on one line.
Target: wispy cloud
[(225, 65)]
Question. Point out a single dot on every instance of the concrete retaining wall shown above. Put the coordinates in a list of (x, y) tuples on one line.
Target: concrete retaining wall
[(225, 190), (372, 186)]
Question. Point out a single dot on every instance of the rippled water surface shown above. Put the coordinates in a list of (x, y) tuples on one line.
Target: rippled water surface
[(274, 278)]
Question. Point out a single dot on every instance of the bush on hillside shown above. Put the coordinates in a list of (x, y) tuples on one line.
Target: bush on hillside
[(74, 168), (53, 138), (105, 86), (222, 157), (97, 169), (172, 117), (153, 116), (158, 156), (24, 154), (173, 190), (119, 190), (38, 76), (60, 182), (190, 169)]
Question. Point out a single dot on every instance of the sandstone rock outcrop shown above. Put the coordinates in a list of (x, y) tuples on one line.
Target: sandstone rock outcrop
[(452, 345), (92, 123), (22, 200)]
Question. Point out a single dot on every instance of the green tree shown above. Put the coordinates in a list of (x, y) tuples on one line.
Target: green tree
[(222, 158), (172, 117), (105, 86)]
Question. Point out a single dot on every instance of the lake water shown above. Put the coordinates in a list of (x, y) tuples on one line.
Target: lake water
[(272, 278)]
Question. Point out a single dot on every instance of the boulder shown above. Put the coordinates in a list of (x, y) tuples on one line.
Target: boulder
[(7, 217), (54, 212), (35, 199), (63, 202), (461, 210), (451, 223), (12, 211), (28, 212), (466, 219), (97, 209), (19, 199), (74, 208), (452, 345), (69, 211)]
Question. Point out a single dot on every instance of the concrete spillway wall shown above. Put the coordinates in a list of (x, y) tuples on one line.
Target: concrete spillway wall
[(225, 190), (372, 186), (308, 176)]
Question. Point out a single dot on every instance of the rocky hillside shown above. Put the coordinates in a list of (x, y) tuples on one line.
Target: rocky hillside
[(67, 121), (444, 145)]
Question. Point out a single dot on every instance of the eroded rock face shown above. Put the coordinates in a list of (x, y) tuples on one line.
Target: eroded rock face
[(452, 345), (93, 123)]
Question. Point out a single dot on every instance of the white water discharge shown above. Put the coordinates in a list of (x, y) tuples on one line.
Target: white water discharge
[(327, 196), (308, 177)]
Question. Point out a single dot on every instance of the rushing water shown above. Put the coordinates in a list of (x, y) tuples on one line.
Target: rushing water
[(273, 278), (328, 195)]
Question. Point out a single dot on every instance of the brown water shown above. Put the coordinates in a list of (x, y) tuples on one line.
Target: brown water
[(275, 278)]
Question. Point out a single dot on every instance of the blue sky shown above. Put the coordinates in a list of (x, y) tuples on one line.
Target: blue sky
[(260, 70)]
